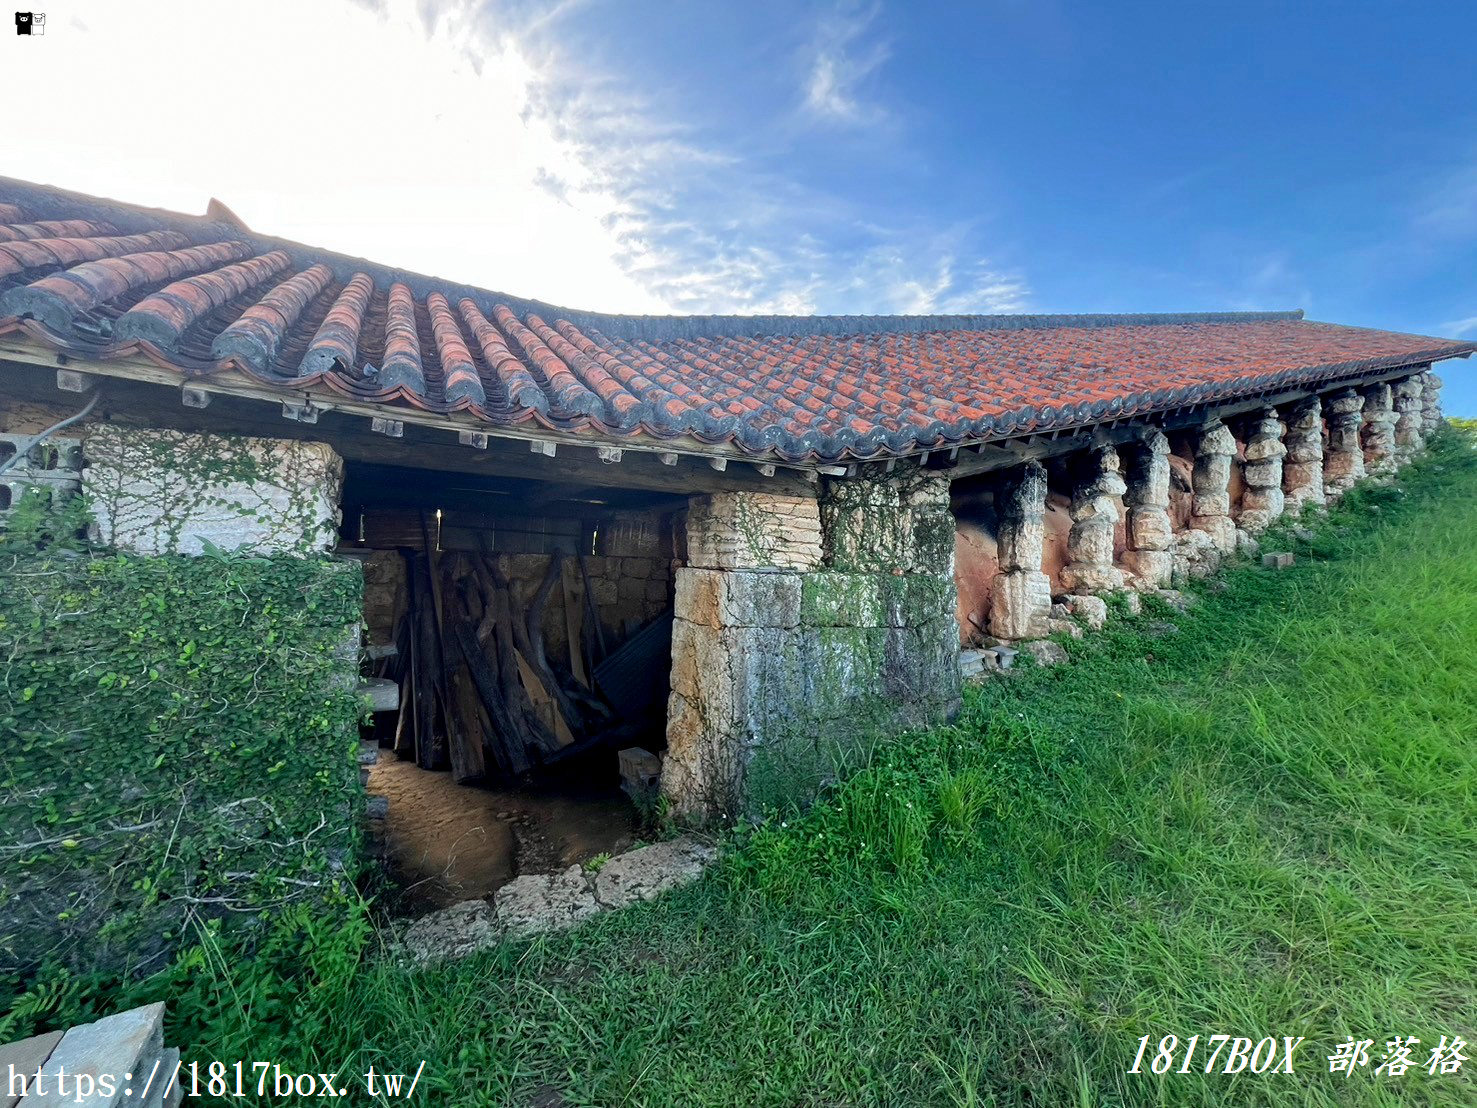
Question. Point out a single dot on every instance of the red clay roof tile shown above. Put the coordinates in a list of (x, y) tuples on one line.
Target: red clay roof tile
[(802, 389)]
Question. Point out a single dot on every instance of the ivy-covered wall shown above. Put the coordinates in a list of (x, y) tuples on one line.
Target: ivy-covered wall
[(178, 745), (169, 492), (789, 654)]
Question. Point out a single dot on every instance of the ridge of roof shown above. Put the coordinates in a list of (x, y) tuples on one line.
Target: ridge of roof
[(220, 223)]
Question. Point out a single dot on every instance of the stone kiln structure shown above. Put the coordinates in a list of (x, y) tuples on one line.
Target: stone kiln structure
[(790, 492)]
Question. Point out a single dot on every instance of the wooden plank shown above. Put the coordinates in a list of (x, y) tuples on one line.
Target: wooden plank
[(574, 621), (503, 737), (467, 762), (543, 702)]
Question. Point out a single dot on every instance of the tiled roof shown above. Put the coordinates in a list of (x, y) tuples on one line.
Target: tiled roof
[(106, 281)]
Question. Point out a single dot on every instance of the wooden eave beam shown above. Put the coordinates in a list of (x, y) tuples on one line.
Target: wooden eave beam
[(428, 440)]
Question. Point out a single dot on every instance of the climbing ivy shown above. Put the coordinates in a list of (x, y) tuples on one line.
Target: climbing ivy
[(157, 488), (178, 746)]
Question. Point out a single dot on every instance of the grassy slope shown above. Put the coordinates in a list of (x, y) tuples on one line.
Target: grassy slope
[(1260, 823)]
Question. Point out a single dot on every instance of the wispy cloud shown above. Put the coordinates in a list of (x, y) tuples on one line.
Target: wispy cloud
[(1460, 328), (522, 162), (842, 55), (1448, 208)]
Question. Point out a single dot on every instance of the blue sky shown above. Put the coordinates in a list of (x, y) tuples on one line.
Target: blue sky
[(1005, 155), (1069, 157)]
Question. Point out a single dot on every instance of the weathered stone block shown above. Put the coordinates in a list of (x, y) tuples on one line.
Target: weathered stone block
[(1263, 474), (1263, 450), (747, 530), (1211, 504), (1270, 501), (1150, 529), (738, 598), (1021, 507), (1092, 577), (1220, 529), (648, 871), (1215, 440), (912, 599), (1021, 542), (535, 903), (1212, 474), (1151, 568), (841, 600), (1091, 542), (1092, 610), (884, 522), (1020, 604), (1147, 471)]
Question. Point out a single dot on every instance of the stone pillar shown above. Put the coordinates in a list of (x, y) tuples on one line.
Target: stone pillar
[(1090, 567), (1302, 468), (1343, 465), (1431, 418), (1210, 510), (1262, 502), (1150, 533), (805, 627), (1410, 437), (1378, 434), (738, 594), (1020, 602)]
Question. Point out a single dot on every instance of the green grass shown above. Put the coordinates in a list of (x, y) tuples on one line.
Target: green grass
[(1256, 819)]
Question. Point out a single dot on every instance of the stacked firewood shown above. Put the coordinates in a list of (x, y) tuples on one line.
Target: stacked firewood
[(478, 692)]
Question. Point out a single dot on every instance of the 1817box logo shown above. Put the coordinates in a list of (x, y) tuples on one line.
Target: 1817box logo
[(30, 23)]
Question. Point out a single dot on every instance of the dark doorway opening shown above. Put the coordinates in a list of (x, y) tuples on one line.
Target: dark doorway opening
[(522, 632)]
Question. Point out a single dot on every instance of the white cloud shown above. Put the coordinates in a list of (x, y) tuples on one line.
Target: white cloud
[(1460, 328), (841, 58), (344, 125), (471, 141)]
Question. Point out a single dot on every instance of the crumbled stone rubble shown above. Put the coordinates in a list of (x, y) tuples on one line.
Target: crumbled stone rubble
[(543, 902)]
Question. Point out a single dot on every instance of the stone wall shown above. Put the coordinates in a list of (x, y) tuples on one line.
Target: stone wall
[(806, 627), (169, 492)]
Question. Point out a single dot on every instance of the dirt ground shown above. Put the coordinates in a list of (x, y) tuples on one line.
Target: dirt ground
[(445, 842)]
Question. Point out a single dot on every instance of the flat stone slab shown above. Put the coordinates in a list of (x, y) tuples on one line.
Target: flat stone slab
[(25, 1057), (648, 871), (123, 1046), (382, 693), (539, 902), (455, 932)]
